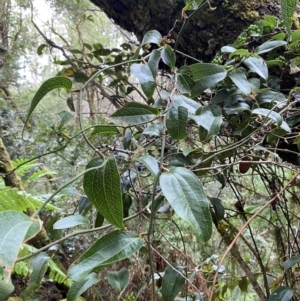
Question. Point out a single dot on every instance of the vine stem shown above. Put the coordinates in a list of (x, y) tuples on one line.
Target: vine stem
[(244, 227)]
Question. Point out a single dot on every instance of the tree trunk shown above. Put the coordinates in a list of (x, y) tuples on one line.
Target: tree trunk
[(203, 35)]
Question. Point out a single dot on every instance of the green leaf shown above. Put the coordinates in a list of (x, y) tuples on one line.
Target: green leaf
[(150, 162), (134, 112), (257, 65), (282, 293), (155, 129), (14, 227), (65, 117), (45, 88), (71, 221), (287, 11), (172, 282), (99, 220), (168, 56), (184, 83), (6, 289), (103, 188), (218, 208), (109, 249), (192, 5), (268, 46), (185, 193), (105, 130), (239, 78), (206, 76), (177, 122), (183, 101), (39, 265), (118, 279), (152, 36), (40, 49), (271, 97), (209, 118), (270, 114), (79, 287), (291, 262), (145, 76)]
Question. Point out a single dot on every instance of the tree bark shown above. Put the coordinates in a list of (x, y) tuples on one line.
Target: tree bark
[(203, 35)]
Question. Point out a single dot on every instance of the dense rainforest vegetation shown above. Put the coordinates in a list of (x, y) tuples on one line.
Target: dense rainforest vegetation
[(149, 150)]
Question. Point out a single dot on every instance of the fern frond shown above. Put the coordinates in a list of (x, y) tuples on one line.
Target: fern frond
[(37, 175), (55, 272), (12, 199), (22, 170)]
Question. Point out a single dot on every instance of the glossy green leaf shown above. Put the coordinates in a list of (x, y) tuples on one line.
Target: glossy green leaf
[(282, 293), (257, 65), (172, 282), (155, 129), (127, 139), (105, 130), (176, 122), (45, 88), (287, 11), (184, 83), (185, 193), (109, 249), (206, 76), (270, 114), (127, 202), (268, 46), (134, 112), (271, 97), (168, 56), (210, 119), (71, 221), (239, 78), (150, 162), (145, 76), (183, 101), (152, 36), (83, 284), (291, 262), (118, 279), (103, 188), (154, 61)]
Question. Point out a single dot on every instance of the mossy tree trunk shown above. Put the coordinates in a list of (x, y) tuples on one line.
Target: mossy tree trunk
[(203, 35)]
